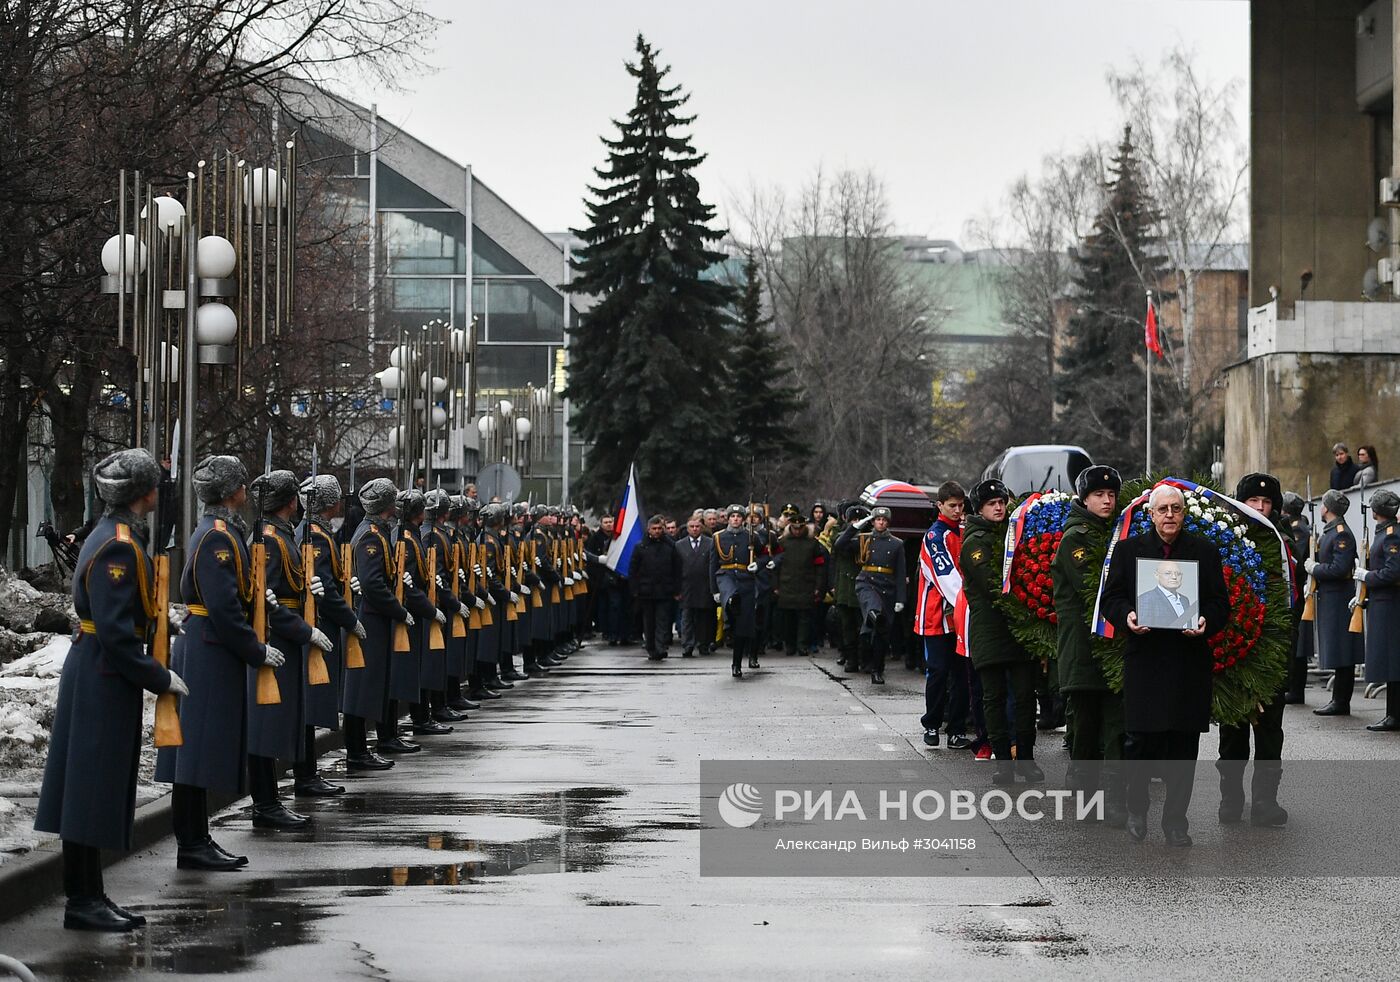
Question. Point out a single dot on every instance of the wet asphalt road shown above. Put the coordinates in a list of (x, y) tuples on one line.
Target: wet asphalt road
[(556, 835)]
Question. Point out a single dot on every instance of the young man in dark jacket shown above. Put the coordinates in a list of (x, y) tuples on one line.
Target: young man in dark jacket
[(654, 578)]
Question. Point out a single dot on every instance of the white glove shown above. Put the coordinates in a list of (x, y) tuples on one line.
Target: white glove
[(717, 597), (462, 575), (317, 588), (354, 584), (514, 597), (440, 617), (359, 631), (408, 619), (1353, 603), (272, 657), (1309, 565), (568, 581), (584, 575), (177, 685), (753, 567), (1360, 575), (865, 522), (524, 589), (441, 583), (537, 562), (320, 640), (271, 597), (407, 579), (177, 615), (898, 607), (772, 564), (480, 604), (476, 570)]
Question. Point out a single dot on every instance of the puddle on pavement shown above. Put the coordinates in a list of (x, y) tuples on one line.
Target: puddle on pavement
[(1022, 936), (191, 937)]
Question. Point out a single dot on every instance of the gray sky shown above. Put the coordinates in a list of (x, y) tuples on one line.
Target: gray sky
[(948, 101)]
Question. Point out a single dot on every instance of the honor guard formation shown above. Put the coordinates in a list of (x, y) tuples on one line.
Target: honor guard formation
[(405, 620)]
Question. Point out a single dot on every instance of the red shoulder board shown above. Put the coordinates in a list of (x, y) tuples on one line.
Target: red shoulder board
[(269, 530), (219, 524), (123, 532)]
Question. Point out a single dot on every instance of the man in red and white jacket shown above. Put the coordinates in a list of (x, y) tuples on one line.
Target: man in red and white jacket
[(946, 695)]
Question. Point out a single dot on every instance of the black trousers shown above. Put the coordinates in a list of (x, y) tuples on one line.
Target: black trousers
[(305, 769), (1268, 735), (1017, 681), (946, 688), (848, 620), (1344, 684), (1174, 753), (189, 811), (656, 624), (698, 627), (82, 872), (262, 779), (1097, 733), (796, 629)]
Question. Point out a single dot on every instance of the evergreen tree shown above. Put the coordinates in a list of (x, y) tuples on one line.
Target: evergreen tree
[(642, 372), (1101, 383), (765, 402)]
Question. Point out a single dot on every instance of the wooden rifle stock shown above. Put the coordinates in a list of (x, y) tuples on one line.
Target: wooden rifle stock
[(316, 672), (401, 642), (536, 600), (268, 692), (580, 561), (1358, 616), (477, 619), (507, 571), (1310, 601), (459, 623), (354, 653), (554, 560), (479, 554), (167, 732), (436, 641)]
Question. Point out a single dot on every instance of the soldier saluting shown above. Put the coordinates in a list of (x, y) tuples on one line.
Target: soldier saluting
[(1338, 650), (89, 790), (880, 584)]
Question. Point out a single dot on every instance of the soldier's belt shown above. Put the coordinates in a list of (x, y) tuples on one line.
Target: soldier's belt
[(293, 602), (198, 610), (87, 627), (734, 566), (877, 569)]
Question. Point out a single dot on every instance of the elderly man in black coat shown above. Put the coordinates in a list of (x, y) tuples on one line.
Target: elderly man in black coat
[(1167, 674), (697, 605), (654, 578)]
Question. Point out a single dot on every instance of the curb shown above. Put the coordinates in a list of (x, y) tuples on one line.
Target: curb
[(30, 880)]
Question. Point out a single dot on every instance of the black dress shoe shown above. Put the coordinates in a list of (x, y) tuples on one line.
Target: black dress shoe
[(318, 787), (1029, 771), (753, 661), (462, 704), (367, 762), (687, 653), (1333, 708), (877, 678), (493, 684), (514, 676), (240, 860), (206, 857), (736, 671), (1176, 837), (1005, 772), (1137, 827), (550, 661), (94, 915), (503, 683), (1230, 811), (446, 715), (398, 745), (1385, 725), (278, 816), (536, 671), (429, 728), (484, 694), (114, 907), (1293, 698)]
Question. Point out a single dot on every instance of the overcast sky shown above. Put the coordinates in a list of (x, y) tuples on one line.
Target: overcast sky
[(948, 100)]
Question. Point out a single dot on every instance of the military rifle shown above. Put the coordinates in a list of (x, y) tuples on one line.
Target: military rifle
[(167, 729), (1358, 613), (1310, 603), (401, 642), (268, 691), (436, 641), (316, 673), (354, 653)]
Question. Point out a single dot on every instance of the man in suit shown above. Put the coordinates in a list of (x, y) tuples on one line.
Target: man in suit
[(1165, 604), (1168, 675), (697, 606)]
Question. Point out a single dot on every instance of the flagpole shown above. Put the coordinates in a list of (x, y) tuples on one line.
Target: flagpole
[(1147, 361)]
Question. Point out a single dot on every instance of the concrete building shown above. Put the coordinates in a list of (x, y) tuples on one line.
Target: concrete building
[(1323, 359)]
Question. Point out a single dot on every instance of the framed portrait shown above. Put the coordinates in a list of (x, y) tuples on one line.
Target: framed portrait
[(1168, 594)]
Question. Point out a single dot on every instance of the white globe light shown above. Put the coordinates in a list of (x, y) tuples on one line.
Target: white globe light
[(439, 417), (265, 188), (215, 258), (507, 407), (439, 383), (395, 438), (486, 425), (401, 356), (215, 323), (523, 427), (112, 256), (169, 214), (389, 380)]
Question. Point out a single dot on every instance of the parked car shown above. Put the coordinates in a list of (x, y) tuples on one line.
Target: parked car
[(1038, 467)]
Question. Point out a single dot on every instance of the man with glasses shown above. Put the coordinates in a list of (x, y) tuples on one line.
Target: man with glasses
[(1167, 674)]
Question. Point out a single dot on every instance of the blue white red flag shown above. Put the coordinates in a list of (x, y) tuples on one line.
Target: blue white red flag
[(627, 528)]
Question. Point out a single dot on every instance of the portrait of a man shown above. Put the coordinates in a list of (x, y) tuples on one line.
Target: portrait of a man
[(1167, 594)]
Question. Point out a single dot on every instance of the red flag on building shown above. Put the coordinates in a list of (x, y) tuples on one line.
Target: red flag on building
[(1149, 331)]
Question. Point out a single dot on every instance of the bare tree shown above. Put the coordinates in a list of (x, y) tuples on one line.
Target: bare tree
[(861, 329)]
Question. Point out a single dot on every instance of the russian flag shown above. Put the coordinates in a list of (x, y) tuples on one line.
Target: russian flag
[(627, 528)]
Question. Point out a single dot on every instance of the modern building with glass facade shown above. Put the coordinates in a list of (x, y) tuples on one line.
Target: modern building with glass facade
[(444, 246)]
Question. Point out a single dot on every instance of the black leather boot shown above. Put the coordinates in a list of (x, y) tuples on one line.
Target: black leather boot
[(93, 914), (277, 816), (1231, 808), (1264, 809)]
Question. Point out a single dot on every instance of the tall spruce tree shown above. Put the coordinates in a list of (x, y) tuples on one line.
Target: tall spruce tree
[(642, 362), (765, 402), (1101, 384)]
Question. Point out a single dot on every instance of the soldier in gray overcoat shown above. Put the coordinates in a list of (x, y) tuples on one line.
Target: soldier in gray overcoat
[(1338, 650), (89, 792), (1382, 579)]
